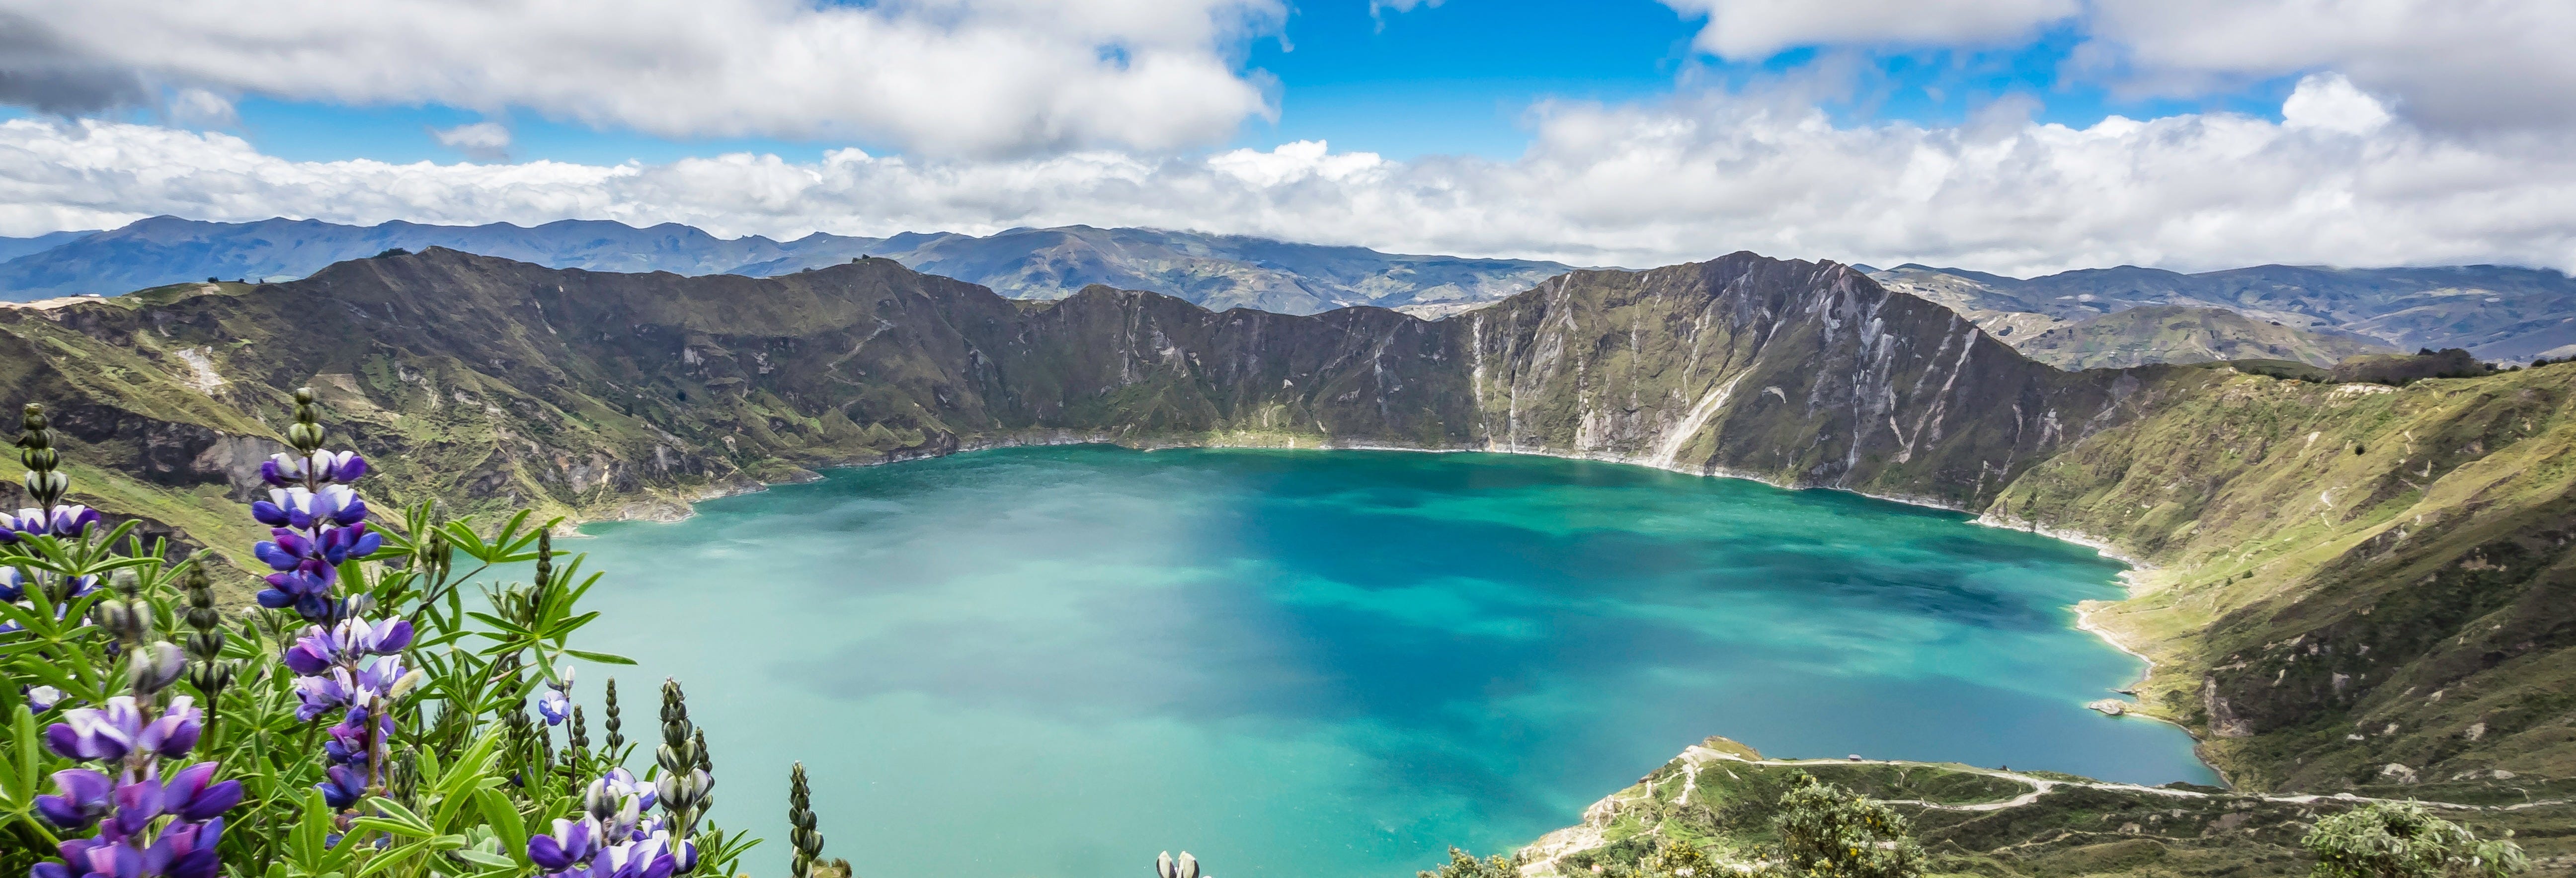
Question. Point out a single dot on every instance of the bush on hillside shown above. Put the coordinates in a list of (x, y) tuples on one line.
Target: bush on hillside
[(2402, 369), (1829, 832), (2404, 840), (1465, 865)]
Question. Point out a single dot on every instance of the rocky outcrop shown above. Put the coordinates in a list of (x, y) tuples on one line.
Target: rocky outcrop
[(1799, 373)]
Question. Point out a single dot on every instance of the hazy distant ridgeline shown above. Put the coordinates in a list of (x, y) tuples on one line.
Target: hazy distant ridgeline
[(2316, 315), (1218, 271), (2496, 312)]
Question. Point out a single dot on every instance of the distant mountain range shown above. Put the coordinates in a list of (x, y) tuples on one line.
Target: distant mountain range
[(2496, 312), (1218, 271), (2184, 334), (12, 248), (2289, 312)]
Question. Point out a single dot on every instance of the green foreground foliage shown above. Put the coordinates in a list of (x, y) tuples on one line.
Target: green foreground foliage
[(402, 632)]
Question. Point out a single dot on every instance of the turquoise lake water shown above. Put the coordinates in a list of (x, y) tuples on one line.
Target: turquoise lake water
[(1056, 662)]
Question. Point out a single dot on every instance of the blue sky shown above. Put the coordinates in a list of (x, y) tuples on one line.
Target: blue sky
[(1454, 79)]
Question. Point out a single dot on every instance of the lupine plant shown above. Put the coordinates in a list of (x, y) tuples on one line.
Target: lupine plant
[(364, 712)]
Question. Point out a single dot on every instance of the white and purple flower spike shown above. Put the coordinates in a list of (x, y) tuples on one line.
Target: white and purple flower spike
[(338, 466), (556, 704), (70, 520), (27, 522)]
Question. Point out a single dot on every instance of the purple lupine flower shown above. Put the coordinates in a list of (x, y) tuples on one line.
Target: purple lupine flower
[(353, 741), (182, 850), (556, 704), (283, 470), (340, 687), (322, 693), (43, 698), (573, 841), (28, 522), (138, 803), (196, 796), (343, 786), (352, 639), (305, 509), (554, 707), (175, 733), (13, 585), (623, 806), (109, 733), (86, 797), (653, 857), (189, 849), (586, 848), (90, 733), (313, 532), (71, 519), (66, 520), (306, 589), (619, 784)]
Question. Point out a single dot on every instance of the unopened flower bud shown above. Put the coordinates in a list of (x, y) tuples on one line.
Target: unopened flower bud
[(157, 666), (403, 685), (119, 619), (207, 643), (47, 485), (211, 677)]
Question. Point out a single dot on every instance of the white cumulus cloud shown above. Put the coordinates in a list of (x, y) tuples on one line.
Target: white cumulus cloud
[(2459, 64), (2330, 102), (2451, 64), (479, 140), (950, 77), (2339, 182), (1757, 29)]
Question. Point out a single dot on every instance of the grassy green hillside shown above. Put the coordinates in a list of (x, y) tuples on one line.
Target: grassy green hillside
[(1721, 796), (2350, 583), (2178, 334)]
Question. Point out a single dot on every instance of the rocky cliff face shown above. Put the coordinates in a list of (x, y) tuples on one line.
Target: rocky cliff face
[(1800, 373), (2345, 577)]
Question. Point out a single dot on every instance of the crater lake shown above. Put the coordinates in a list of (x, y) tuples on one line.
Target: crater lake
[(1056, 662)]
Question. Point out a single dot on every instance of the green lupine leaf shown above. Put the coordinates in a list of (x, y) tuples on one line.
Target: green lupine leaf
[(599, 657)]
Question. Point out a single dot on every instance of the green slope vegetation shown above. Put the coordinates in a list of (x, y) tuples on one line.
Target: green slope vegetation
[(2178, 334), (2348, 584), (2353, 582), (1721, 796)]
